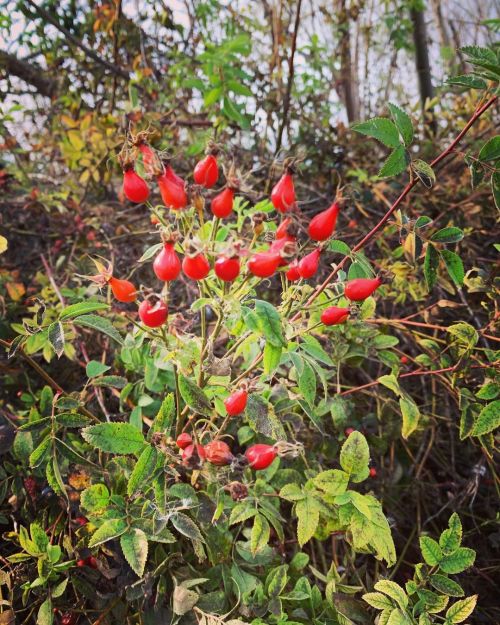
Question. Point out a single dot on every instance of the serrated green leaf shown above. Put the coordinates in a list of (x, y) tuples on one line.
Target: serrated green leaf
[(333, 482), (134, 545), (269, 323), (488, 419), (396, 163), (95, 498), (142, 471), (107, 531), (261, 417), (458, 561), (186, 526), (355, 456), (95, 368), (272, 357), (451, 538), (307, 383), (307, 511), (55, 335), (339, 247), (446, 585), (381, 129), (459, 611), (403, 123), (431, 551), (38, 455), (448, 235), (378, 600), (164, 418), (115, 438), (394, 591), (242, 512), (490, 150), (194, 396), (45, 614), (259, 536), (467, 80)]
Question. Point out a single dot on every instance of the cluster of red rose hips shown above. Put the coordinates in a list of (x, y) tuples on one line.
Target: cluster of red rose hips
[(195, 265)]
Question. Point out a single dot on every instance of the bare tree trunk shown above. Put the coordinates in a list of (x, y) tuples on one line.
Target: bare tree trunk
[(348, 73), (422, 58)]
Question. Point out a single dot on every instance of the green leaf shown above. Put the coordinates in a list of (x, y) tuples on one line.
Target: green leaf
[(164, 418), (392, 590), (339, 247), (272, 357), (424, 172), (213, 96), (259, 536), (307, 511), (454, 266), (261, 417), (403, 123), (448, 235), (467, 80), (378, 600), (238, 88), (451, 538), (71, 420), (38, 455), (59, 589), (144, 467), (490, 150), (488, 419), (39, 537), (242, 512), (431, 551), (81, 308), (95, 368), (108, 530), (32, 426), (56, 337), (186, 526), (292, 492), (269, 323), (333, 482), (354, 457), (490, 390), (134, 545), (381, 129), (307, 383), (396, 163), (100, 324), (194, 397), (45, 614), (458, 561), (399, 617), (411, 416), (446, 586), (95, 498), (431, 264), (277, 580), (54, 478), (113, 381), (460, 610), (115, 438), (390, 381)]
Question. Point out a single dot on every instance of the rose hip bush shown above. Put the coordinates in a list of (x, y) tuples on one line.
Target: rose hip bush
[(229, 485)]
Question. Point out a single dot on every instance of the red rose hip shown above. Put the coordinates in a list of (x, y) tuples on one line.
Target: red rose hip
[(323, 224), (260, 456), (167, 265), (360, 288), (236, 403), (153, 315), (334, 314)]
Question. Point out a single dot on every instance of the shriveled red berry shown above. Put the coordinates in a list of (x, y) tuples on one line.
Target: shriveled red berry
[(81, 562), (260, 456), (283, 193), (92, 562), (323, 224), (69, 618), (153, 315), (334, 314), (191, 452), (293, 271), (218, 453), (184, 440), (222, 204), (227, 269), (309, 265), (29, 482), (236, 403), (167, 265), (206, 171), (135, 188), (373, 472), (404, 360), (196, 267), (123, 290), (173, 193), (361, 288), (264, 264)]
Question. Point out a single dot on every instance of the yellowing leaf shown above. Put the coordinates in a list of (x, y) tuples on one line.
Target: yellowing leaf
[(3, 244), (16, 290)]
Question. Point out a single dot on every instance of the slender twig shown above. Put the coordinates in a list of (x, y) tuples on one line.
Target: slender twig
[(291, 72)]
